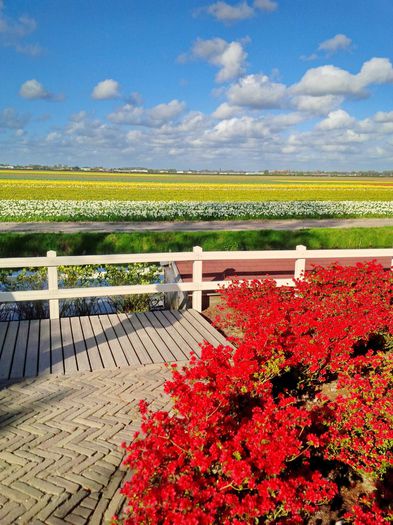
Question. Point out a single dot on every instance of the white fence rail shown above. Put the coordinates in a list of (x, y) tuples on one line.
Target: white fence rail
[(53, 294)]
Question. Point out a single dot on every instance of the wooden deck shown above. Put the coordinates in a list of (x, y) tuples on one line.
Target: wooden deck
[(71, 344)]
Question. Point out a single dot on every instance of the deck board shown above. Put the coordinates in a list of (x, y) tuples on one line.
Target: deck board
[(161, 346), (103, 347), (148, 344), (57, 361), (70, 364), (125, 343), (18, 363), (91, 344), (8, 350), (3, 332), (185, 334), (44, 348), (134, 339), (72, 344), (81, 355), (167, 336), (31, 365), (113, 343)]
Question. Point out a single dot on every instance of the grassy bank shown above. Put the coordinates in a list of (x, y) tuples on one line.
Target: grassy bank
[(14, 245)]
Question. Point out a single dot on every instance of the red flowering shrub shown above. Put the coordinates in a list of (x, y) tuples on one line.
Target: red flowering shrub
[(274, 430)]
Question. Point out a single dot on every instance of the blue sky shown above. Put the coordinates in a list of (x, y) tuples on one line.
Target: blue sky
[(248, 84)]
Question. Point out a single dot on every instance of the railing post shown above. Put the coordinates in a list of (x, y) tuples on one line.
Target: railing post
[(53, 285), (197, 278), (300, 264)]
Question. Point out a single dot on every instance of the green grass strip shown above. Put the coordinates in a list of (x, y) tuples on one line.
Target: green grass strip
[(30, 245)]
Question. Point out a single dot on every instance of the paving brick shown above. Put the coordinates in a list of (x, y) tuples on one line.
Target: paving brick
[(71, 503), (75, 519), (60, 456), (27, 489), (84, 512)]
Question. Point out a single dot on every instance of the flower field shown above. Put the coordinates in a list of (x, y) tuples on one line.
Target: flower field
[(195, 190), (108, 210)]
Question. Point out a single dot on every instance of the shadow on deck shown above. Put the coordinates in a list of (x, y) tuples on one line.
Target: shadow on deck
[(106, 341)]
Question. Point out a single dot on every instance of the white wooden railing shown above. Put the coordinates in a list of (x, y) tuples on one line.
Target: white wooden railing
[(53, 294)]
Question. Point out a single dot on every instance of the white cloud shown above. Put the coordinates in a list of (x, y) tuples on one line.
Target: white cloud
[(266, 5), (153, 117), (34, 90), (383, 116), (106, 89), (339, 42), (376, 71), (257, 91), (229, 57), (225, 111), (316, 105), (13, 33), (230, 13), (336, 120), (332, 80)]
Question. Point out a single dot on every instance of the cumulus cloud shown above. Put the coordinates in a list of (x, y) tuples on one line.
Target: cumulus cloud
[(153, 117), (228, 13), (339, 42), (229, 57), (332, 80), (225, 111), (383, 116), (256, 141), (13, 33), (257, 91), (331, 46), (336, 120), (106, 90), (34, 90), (316, 105)]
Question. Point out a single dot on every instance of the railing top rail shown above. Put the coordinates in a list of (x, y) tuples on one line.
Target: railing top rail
[(80, 260)]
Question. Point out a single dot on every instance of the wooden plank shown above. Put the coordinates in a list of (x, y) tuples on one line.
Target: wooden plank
[(81, 355), (91, 345), (161, 346), (210, 328), (209, 336), (134, 339), (114, 345), (125, 343), (31, 366), (182, 341), (154, 354), (44, 348), (57, 362), (192, 342), (8, 349), (168, 336), (18, 363), (3, 332), (102, 343), (70, 364), (196, 334)]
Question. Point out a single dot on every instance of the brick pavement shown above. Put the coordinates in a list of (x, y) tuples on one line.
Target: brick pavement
[(60, 459)]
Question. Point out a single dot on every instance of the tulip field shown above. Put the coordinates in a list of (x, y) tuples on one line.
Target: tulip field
[(51, 195)]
